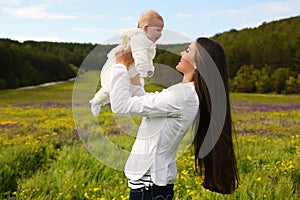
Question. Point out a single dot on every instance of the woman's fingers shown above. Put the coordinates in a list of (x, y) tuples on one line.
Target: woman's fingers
[(124, 56), (126, 48)]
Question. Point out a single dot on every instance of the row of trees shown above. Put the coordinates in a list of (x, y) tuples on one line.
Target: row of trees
[(276, 44), (22, 67), (265, 80), (263, 59), (32, 63)]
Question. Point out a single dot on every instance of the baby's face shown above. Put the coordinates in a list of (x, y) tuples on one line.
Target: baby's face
[(154, 30)]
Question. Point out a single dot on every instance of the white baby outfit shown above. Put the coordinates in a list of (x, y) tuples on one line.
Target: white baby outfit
[(143, 52)]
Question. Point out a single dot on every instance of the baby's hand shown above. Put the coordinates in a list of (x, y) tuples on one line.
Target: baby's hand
[(124, 56)]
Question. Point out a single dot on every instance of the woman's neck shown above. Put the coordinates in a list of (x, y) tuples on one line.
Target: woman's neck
[(188, 77)]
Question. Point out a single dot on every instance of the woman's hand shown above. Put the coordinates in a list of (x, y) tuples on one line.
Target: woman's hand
[(124, 56)]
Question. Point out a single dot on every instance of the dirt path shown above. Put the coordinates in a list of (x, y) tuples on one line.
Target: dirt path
[(44, 84)]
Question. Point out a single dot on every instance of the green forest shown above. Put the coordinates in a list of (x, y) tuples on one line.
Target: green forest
[(265, 59)]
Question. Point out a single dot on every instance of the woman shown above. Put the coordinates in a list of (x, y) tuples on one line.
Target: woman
[(167, 115)]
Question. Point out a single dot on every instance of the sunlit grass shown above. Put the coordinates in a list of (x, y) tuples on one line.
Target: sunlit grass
[(42, 157)]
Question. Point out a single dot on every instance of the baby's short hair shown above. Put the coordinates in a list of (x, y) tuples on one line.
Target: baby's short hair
[(147, 16)]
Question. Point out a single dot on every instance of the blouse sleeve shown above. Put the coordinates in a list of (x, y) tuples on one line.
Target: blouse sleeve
[(137, 90), (164, 104)]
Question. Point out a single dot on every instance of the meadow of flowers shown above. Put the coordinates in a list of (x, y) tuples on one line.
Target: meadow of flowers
[(42, 157)]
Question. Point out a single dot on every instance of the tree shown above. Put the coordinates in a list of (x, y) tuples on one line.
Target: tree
[(264, 82), (279, 77), (293, 85), (245, 79)]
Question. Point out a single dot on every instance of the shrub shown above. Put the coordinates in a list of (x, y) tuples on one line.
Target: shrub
[(19, 161)]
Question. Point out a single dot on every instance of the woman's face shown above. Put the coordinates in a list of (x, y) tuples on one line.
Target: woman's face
[(187, 62)]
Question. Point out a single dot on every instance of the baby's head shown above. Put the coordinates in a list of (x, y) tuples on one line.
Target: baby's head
[(152, 23)]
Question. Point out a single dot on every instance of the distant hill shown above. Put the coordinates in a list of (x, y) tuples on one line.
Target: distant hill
[(276, 44), (270, 52), (32, 63), (262, 59)]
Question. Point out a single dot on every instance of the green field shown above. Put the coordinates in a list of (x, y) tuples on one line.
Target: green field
[(42, 156)]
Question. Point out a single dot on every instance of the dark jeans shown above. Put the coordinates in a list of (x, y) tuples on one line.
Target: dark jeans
[(153, 193)]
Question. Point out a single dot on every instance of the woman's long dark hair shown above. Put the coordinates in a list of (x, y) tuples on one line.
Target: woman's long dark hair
[(219, 165)]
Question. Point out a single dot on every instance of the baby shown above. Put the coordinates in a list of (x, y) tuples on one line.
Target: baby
[(142, 43)]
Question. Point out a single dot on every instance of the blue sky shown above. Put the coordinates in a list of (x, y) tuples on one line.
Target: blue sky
[(97, 21)]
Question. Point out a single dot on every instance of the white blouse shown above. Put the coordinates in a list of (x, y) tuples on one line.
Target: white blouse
[(167, 116)]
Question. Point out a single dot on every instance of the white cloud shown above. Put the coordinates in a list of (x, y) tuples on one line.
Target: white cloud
[(261, 12), (10, 2), (249, 16), (35, 12), (98, 17), (129, 21), (94, 30), (126, 18), (184, 16), (268, 9)]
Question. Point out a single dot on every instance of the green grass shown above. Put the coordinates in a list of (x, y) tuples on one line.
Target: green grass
[(265, 98), (42, 157), (61, 93)]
